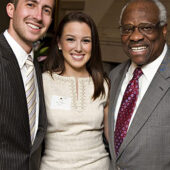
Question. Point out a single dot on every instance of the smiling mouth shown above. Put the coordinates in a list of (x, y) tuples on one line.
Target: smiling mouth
[(138, 49), (34, 26), (77, 56)]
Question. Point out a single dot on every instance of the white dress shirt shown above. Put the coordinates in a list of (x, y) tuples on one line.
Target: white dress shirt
[(149, 72), (21, 57)]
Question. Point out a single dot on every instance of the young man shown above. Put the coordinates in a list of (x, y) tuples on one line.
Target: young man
[(139, 113), (22, 110)]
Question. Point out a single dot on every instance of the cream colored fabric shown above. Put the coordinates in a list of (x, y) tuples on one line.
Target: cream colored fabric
[(75, 125)]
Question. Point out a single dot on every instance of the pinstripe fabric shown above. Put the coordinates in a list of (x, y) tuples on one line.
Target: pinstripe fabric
[(31, 96), (16, 150)]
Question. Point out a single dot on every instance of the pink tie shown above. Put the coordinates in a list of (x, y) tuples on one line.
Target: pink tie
[(126, 109)]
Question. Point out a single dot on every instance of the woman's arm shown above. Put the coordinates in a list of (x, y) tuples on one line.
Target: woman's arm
[(106, 133)]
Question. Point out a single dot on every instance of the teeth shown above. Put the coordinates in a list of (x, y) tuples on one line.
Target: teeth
[(138, 48), (77, 56), (33, 26)]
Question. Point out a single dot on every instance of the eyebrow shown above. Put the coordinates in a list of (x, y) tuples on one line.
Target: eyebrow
[(74, 36), (47, 6), (35, 1)]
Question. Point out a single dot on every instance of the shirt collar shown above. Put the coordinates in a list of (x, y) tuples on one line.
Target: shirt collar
[(19, 52), (150, 69)]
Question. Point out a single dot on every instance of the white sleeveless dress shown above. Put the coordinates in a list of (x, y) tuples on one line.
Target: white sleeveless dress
[(75, 125)]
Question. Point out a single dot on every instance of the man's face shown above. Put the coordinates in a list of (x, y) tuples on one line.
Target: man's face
[(145, 45), (29, 20)]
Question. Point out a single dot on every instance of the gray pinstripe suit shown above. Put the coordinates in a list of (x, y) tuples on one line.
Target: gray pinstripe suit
[(16, 151)]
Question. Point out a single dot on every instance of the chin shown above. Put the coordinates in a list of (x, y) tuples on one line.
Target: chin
[(140, 63), (139, 60)]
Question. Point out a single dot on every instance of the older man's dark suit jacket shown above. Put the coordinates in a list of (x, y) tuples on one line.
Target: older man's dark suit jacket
[(16, 151), (147, 143)]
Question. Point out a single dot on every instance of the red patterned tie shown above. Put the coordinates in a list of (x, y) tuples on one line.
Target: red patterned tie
[(126, 109)]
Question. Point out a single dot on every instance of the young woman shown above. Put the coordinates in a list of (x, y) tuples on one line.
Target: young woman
[(76, 92)]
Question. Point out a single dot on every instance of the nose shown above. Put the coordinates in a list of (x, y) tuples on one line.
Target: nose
[(38, 14), (78, 47), (136, 35)]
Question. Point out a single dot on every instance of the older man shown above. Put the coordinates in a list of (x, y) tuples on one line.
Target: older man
[(139, 113)]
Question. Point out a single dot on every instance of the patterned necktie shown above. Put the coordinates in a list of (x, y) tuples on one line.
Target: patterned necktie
[(31, 95), (126, 109)]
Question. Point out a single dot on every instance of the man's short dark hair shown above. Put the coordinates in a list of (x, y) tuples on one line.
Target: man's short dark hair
[(14, 2)]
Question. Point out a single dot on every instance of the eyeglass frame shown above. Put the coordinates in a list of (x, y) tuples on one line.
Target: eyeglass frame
[(139, 27)]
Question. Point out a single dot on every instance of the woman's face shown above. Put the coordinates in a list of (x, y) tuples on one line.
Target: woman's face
[(76, 46)]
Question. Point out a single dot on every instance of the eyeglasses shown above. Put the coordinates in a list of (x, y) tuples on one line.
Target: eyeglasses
[(143, 28)]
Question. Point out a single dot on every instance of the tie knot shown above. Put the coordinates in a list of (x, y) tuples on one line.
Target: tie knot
[(29, 61), (137, 73)]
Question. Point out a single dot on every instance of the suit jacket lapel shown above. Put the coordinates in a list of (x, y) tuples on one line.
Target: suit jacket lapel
[(15, 79), (150, 100), (42, 125), (116, 87)]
